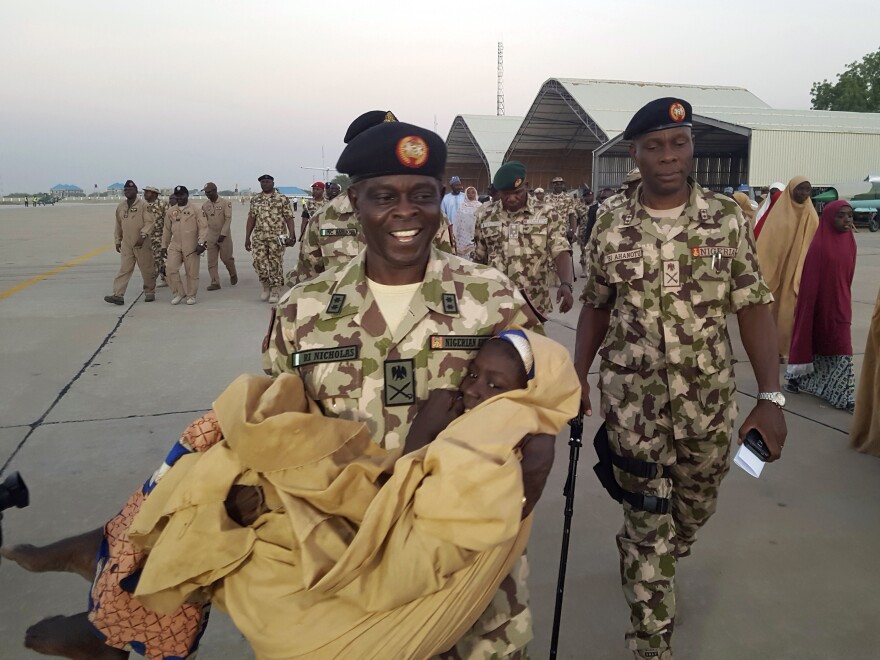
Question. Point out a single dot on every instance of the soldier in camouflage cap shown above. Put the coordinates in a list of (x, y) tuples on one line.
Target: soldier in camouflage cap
[(158, 207), (666, 264), (370, 337), (565, 204), (524, 238), (311, 207), (333, 235)]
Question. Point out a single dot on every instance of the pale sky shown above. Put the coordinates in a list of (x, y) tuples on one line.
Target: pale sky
[(93, 92)]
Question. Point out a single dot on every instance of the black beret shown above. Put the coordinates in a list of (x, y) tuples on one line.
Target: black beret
[(658, 115), (130, 183), (367, 120), (393, 148), (181, 190), (265, 176), (510, 176)]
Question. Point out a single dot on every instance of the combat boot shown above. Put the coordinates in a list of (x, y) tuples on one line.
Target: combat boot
[(273, 296), (265, 295), (114, 300), (213, 286)]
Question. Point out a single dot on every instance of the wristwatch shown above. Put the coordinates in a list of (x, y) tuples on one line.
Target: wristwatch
[(776, 398)]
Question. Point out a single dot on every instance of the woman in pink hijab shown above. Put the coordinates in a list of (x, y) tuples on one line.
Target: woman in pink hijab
[(820, 360)]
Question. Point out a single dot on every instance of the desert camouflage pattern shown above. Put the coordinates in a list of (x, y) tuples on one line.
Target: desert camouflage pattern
[(458, 305), (158, 209), (564, 203), (666, 376), (311, 206), (334, 237), (270, 213), (523, 245)]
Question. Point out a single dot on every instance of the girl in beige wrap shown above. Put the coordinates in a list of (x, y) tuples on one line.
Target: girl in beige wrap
[(782, 248), (341, 563)]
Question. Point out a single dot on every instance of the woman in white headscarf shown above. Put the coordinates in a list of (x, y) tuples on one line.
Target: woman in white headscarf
[(463, 223)]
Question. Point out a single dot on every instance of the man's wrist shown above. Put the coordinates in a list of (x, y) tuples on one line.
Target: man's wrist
[(569, 285)]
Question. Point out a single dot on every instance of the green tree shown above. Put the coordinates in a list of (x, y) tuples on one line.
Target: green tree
[(857, 89), (343, 180)]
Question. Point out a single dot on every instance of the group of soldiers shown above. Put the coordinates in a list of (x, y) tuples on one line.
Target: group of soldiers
[(379, 311), (161, 236)]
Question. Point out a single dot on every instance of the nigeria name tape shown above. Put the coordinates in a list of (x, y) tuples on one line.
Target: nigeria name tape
[(367, 120), (658, 115), (393, 148)]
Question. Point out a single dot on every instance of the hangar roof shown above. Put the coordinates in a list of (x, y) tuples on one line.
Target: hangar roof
[(488, 136)]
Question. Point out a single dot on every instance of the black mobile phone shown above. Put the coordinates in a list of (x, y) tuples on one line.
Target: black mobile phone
[(755, 442)]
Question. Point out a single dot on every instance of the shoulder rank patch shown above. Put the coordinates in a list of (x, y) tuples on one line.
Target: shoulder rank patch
[(316, 355), (622, 256), (400, 382), (457, 342), (627, 219), (341, 231), (712, 251), (704, 215), (450, 303), (337, 300)]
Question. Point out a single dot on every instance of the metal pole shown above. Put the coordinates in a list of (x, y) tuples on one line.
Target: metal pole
[(575, 444)]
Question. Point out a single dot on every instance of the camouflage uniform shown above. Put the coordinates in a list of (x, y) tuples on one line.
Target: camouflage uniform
[(311, 206), (523, 245), (270, 213), (563, 202), (666, 376), (158, 209), (334, 238), (329, 331)]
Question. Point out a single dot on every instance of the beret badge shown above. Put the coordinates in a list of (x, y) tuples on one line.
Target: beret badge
[(677, 112), (412, 151)]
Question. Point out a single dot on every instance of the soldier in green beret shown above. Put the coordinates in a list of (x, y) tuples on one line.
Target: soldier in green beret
[(524, 239), (666, 263)]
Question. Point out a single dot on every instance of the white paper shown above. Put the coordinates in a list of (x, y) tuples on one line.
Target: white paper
[(749, 461)]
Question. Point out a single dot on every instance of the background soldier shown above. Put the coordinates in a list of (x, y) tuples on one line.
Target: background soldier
[(415, 298), (311, 207), (219, 214), (183, 241), (158, 208), (134, 223), (565, 204), (523, 238), (666, 265), (269, 217)]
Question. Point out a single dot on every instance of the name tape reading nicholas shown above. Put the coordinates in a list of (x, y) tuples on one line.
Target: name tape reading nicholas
[(338, 354)]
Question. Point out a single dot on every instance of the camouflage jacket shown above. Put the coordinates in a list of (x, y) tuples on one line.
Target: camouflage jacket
[(334, 237), (311, 206), (330, 331), (522, 245), (270, 213), (670, 284), (158, 209), (563, 202)]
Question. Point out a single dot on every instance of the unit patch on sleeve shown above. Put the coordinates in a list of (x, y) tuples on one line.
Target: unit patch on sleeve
[(316, 355), (400, 382)]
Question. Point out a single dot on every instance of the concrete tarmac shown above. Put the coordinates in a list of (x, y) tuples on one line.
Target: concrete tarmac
[(92, 396)]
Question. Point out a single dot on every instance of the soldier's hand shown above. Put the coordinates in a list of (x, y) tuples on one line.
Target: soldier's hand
[(244, 504), (119, 247), (564, 295), (290, 241), (200, 248), (537, 461), (164, 253), (140, 242), (221, 238), (247, 244), (767, 418), (434, 415), (585, 396)]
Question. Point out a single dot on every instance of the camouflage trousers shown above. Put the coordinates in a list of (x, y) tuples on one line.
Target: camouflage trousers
[(158, 259), (268, 261), (650, 544)]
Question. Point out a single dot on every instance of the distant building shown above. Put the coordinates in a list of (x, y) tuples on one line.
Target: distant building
[(115, 190), (293, 191), (63, 190)]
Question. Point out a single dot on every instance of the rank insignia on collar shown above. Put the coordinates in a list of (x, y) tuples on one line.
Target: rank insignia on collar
[(450, 303), (337, 300), (704, 215), (400, 382), (627, 219)]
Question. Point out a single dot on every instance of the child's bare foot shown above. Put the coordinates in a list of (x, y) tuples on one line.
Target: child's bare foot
[(76, 554), (70, 637)]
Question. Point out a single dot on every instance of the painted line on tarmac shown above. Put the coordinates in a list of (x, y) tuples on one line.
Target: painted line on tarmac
[(54, 271), (64, 390)]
